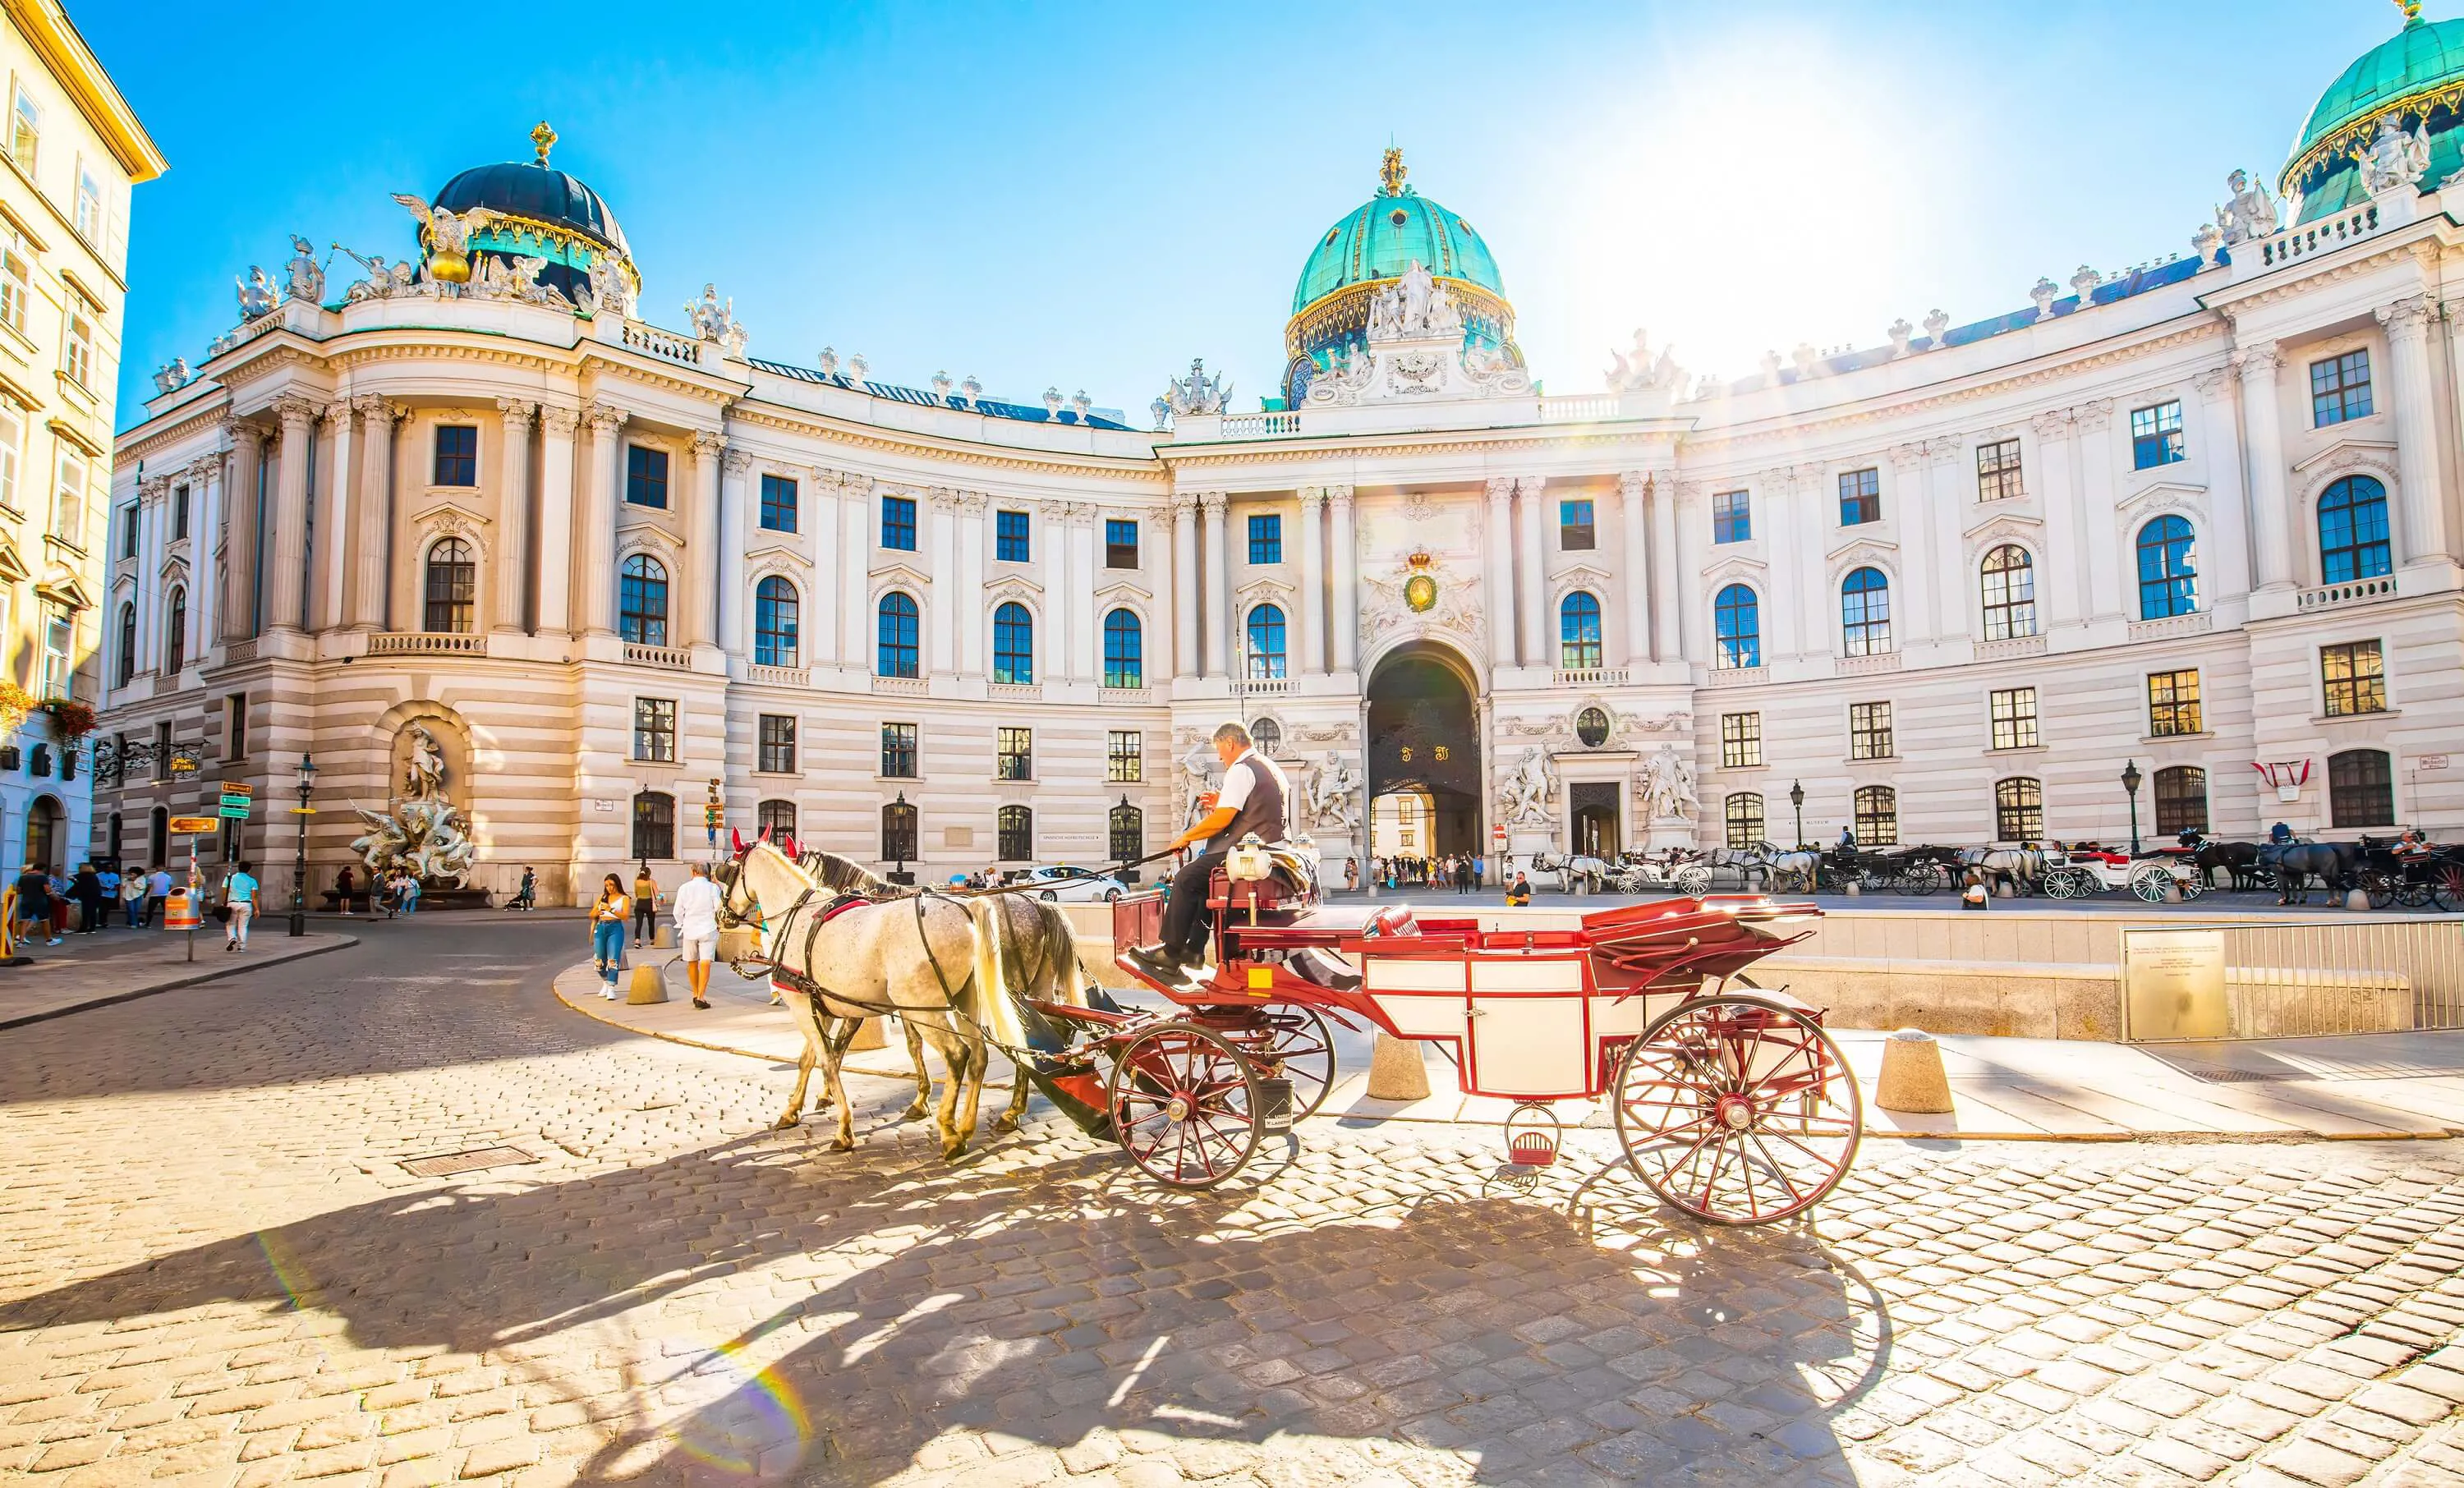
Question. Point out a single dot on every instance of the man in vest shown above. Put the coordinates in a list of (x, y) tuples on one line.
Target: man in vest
[(1251, 801)]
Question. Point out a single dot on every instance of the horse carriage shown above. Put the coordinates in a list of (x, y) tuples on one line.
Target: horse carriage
[(2077, 873), (1676, 869)]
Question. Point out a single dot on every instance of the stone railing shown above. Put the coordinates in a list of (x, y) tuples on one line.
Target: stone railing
[(1589, 677), (668, 656), (899, 687), (778, 676), (1864, 665), (1578, 407), (643, 337), (238, 651), (2007, 650), (1263, 687), (427, 643), (1733, 676), (2327, 232), (2197, 623), (2359, 591), (1261, 426), (1124, 696), (1024, 691)]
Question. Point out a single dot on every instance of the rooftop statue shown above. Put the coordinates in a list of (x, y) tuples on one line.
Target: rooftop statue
[(1639, 371), (2395, 158), (172, 378), (446, 235), (1197, 393), (2250, 214), (307, 276), (714, 322), (609, 290), (257, 294)]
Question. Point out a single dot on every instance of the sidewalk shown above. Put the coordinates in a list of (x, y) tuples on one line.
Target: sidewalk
[(2379, 1086), (116, 965)]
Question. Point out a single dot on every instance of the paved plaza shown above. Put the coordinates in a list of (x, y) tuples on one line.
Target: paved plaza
[(215, 1267)]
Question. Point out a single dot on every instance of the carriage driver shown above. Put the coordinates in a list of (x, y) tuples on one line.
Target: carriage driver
[(1251, 801)]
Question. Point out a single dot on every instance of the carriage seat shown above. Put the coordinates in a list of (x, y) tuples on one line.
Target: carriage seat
[(1331, 968)]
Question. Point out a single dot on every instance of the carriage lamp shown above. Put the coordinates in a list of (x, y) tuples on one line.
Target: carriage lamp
[(1796, 798), (299, 868), (2130, 778)]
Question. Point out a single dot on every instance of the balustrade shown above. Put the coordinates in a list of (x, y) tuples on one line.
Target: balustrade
[(666, 656), (427, 643), (2336, 596), (2329, 232), (645, 337)]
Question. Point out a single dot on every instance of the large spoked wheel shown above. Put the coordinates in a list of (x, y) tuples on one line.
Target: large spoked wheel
[(2148, 884), (1694, 880), (1924, 878), (1295, 1043), (2446, 886), (2193, 883), (1737, 1109), (1186, 1106)]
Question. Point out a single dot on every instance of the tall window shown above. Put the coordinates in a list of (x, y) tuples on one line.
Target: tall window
[(899, 627), (1997, 471), (1732, 517), (1265, 642), (1120, 542), (1014, 834), (68, 498), (776, 741), (2352, 678), (455, 460), (77, 341), (2339, 388), (898, 832), (1578, 633), (2353, 531), (2361, 789), (2013, 714), (642, 600), (451, 589), (777, 503), (1877, 816), (898, 751), (2009, 578), (1125, 759), (646, 475), (175, 624), (2156, 435), (1869, 730), (125, 663), (1865, 612), (179, 513), (59, 650), (1014, 754), (1012, 645), (1123, 650), (1860, 496), (654, 826), (1265, 538), (1737, 617), (129, 531), (2181, 800), (2018, 810), (25, 132), (898, 523), (2168, 574), (1741, 740), (776, 820), (1012, 539), (1127, 838), (1575, 530), (12, 441), (1744, 815), (654, 730), (2174, 703), (89, 205), (775, 611), (16, 284)]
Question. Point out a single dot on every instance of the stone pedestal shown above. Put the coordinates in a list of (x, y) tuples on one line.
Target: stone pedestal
[(649, 985), (867, 1035), (1396, 1070), (1670, 834), (1912, 1079)]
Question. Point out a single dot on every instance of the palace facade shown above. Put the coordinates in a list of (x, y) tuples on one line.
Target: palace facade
[(2195, 522)]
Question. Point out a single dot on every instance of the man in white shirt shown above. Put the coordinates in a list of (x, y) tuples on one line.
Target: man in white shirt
[(696, 912), (1251, 801)]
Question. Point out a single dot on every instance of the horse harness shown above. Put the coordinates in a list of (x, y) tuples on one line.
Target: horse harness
[(835, 903)]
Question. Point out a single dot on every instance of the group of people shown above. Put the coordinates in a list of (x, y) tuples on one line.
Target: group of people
[(695, 910), (45, 900), (1461, 871), (395, 891)]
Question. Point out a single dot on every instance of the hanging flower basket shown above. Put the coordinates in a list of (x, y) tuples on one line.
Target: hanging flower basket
[(16, 703), (70, 719)]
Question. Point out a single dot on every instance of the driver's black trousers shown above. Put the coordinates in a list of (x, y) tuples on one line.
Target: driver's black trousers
[(1184, 930)]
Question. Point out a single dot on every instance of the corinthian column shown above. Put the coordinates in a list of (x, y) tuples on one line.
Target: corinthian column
[(1184, 585), (1497, 568), (513, 518), (1531, 586), (598, 522), (326, 593), (2424, 534), (556, 519), (702, 609), (736, 467), (1219, 584), (2226, 554), (372, 530), (1312, 656), (286, 596), (240, 527), (2271, 518), (1662, 490), (1634, 585), (1347, 580)]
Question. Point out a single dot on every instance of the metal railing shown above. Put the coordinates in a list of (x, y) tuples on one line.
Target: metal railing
[(2314, 977)]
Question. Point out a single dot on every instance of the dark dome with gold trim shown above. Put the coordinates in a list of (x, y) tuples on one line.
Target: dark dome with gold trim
[(541, 212)]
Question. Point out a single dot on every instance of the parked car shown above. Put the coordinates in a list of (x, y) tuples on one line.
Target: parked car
[(1075, 886)]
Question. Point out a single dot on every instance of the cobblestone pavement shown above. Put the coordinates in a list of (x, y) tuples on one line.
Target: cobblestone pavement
[(214, 1267)]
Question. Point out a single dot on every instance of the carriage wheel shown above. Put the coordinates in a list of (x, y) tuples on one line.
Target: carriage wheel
[(1185, 1104), (2194, 885), (1694, 880), (1737, 1109), (2150, 886), (1924, 878), (1296, 1044), (2446, 886), (2381, 888)]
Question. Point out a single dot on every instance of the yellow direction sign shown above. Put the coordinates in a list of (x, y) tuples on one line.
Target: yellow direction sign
[(190, 826)]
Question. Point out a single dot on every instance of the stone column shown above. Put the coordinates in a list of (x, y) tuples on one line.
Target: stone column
[(1693, 540), (2226, 554), (734, 598), (859, 648), (1772, 494), (554, 575), (1086, 640), (510, 572), (1343, 546), (2099, 566), (2057, 584), (1217, 610), (698, 619), (147, 516), (1661, 492), (372, 521), (1497, 570), (966, 602), (1184, 584), (820, 522), (1312, 657), (597, 598), (329, 595), (2424, 531), (1050, 524), (1905, 509), (2271, 519), (239, 529), (1947, 498), (1634, 549), (1531, 584), (961, 617), (204, 519), (286, 588)]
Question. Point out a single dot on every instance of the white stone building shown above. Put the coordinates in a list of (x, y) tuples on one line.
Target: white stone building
[(2198, 518)]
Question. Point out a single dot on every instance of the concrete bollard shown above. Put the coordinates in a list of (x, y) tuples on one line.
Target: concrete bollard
[(649, 985), (1913, 1078), (2358, 901), (2004, 891), (738, 942), (2173, 893), (1395, 1072), (662, 937), (867, 1035), (1855, 889)]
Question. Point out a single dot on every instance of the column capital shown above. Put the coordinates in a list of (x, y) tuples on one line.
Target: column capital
[(2216, 382), (243, 431), (2408, 318), (294, 408), (1501, 488), (1338, 497), (517, 412), (1530, 485), (556, 419), (376, 408), (2052, 424), (1633, 485), (202, 468), (2093, 416), (1908, 457), (708, 441), (1945, 452), (605, 418), (941, 498), (1313, 498), (336, 412), (2258, 361), (1214, 502), (1184, 504), (734, 460)]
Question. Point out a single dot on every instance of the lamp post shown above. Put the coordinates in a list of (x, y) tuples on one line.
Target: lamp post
[(299, 868), (899, 874), (2130, 778), (1796, 798)]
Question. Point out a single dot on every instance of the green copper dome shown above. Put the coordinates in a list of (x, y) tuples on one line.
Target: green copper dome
[(1382, 237), (2426, 57)]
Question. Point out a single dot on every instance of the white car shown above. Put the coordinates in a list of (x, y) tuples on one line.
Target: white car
[(1076, 885)]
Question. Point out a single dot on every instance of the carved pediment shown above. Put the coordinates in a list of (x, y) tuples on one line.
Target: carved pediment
[(2164, 495), (648, 534), (1582, 575), (2006, 527), (449, 516), (1262, 591), (777, 551), (1013, 586), (2351, 453), (1125, 589), (174, 570), (13, 566), (1734, 567), (1864, 553), (900, 576), (61, 584)]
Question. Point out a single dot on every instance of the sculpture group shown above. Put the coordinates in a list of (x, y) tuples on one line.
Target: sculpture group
[(422, 832)]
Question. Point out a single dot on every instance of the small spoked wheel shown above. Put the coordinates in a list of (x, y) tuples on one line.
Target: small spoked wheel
[(2150, 886), (1737, 1109), (1295, 1043), (2193, 884), (1185, 1104)]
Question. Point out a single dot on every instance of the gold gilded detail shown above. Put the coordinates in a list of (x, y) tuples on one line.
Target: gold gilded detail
[(542, 139), (1390, 173)]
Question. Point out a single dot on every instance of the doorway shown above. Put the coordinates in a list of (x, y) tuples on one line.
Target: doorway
[(43, 834), (1594, 807), (1424, 750)]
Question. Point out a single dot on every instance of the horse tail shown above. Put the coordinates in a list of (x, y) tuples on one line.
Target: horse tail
[(989, 1003)]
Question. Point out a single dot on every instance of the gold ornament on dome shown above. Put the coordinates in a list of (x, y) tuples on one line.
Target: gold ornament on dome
[(542, 139), (1420, 590)]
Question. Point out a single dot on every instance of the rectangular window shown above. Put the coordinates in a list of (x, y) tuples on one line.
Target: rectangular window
[(1575, 531), (12, 439), (457, 455), (2156, 435), (1266, 538), (16, 287), (59, 650), (1741, 740), (1125, 760), (2339, 388), (179, 513), (1860, 496), (235, 724), (129, 531), (1997, 471), (2353, 678), (1010, 537), (898, 751), (898, 523), (654, 730), (777, 503), (646, 476), (2014, 718), (25, 132), (2018, 810), (778, 744), (77, 341), (89, 205), (2174, 703), (1732, 517), (68, 499), (1120, 542), (1015, 752), (1869, 730)]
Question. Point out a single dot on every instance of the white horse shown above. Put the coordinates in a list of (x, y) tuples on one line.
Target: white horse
[(2023, 869), (1793, 872)]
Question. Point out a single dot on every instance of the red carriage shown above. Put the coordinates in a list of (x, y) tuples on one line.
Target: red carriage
[(1729, 1101)]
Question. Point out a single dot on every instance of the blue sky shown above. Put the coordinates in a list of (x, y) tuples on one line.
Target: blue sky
[(1088, 196)]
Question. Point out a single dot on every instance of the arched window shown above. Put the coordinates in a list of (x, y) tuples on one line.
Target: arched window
[(1578, 633), (2009, 577), (2361, 789), (158, 835), (124, 664), (901, 624), (775, 611), (1129, 834), (2018, 810), (1014, 831), (2181, 800), (654, 826), (1123, 650), (642, 602), (2168, 574), (1745, 818), (1865, 612), (1266, 737), (1265, 642), (1012, 645), (1737, 617), (2353, 531), (776, 818), (898, 832), (1877, 816), (453, 584), (175, 644)]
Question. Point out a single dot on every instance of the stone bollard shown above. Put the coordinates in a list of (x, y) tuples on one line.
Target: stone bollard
[(867, 1035), (1395, 1072), (1912, 1074), (649, 985), (2004, 891), (738, 942), (2173, 893), (1855, 889), (2358, 901), (662, 937)]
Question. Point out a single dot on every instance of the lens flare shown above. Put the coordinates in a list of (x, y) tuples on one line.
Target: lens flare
[(759, 1414)]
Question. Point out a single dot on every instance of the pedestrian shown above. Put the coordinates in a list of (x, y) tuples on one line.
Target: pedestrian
[(158, 893), (239, 896), (132, 899), (696, 912), (1519, 892), (86, 888), (1479, 871), (34, 905), (59, 908), (528, 898), (344, 885), (108, 875), (409, 895), (607, 933), (646, 906), (1351, 875)]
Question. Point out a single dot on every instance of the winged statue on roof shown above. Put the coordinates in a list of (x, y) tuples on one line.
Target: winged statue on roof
[(446, 235)]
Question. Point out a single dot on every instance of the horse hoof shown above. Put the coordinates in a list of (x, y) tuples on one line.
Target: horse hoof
[(842, 1144), (786, 1123), (915, 1112), (1005, 1124), (951, 1154)]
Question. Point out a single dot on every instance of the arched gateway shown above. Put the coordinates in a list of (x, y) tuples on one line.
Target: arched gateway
[(1423, 755)]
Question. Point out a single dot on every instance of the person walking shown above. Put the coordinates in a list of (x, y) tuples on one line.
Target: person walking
[(528, 898), (86, 888), (696, 912), (158, 894), (59, 908), (409, 895), (646, 906), (1352, 875), (34, 906), (132, 900), (344, 888), (109, 876), (239, 896), (1479, 871), (607, 933)]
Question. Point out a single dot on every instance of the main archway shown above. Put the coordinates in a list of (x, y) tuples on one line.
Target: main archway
[(1424, 750)]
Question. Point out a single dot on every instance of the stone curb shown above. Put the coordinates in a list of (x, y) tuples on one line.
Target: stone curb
[(337, 943)]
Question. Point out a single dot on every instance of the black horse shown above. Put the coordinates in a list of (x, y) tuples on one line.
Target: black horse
[(2296, 864), (2238, 860)]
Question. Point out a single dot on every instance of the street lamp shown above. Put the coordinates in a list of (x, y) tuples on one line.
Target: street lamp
[(299, 868), (2130, 778), (1796, 798), (899, 874)]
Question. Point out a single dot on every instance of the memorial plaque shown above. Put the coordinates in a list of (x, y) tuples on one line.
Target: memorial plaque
[(2173, 983)]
